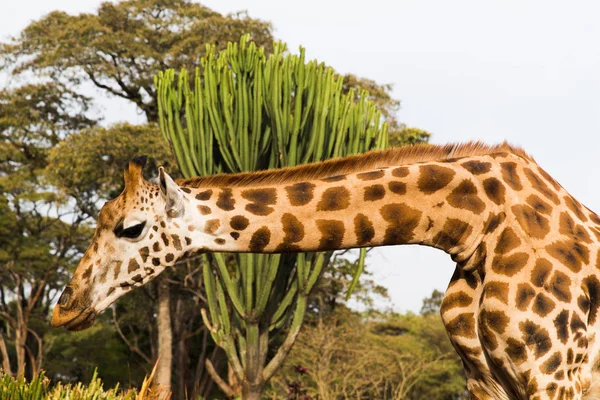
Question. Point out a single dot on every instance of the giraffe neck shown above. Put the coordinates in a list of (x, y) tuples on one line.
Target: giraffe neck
[(441, 204)]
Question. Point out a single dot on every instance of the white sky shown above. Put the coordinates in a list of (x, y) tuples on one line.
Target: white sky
[(527, 72)]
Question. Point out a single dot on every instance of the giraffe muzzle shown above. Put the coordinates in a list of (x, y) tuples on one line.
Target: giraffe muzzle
[(67, 313)]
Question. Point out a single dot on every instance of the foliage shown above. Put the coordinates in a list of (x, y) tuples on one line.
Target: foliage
[(331, 290), (120, 48), (432, 305), (89, 166), (385, 356), (40, 238)]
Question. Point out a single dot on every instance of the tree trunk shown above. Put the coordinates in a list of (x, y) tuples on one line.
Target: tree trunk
[(165, 338), (252, 391)]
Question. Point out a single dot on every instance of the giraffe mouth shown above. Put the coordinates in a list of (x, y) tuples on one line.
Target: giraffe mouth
[(83, 320)]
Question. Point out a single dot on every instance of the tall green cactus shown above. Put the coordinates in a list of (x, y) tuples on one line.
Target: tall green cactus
[(246, 111)]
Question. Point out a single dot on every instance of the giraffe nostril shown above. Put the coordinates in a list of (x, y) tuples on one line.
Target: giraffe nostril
[(65, 297)]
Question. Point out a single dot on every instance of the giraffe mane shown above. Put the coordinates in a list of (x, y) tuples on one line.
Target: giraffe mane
[(355, 163)]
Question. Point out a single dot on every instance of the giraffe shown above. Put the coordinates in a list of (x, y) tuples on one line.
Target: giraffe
[(522, 306)]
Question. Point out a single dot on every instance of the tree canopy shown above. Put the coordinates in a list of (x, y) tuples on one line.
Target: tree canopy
[(121, 47)]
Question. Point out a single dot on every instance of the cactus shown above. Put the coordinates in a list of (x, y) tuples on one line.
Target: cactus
[(246, 111)]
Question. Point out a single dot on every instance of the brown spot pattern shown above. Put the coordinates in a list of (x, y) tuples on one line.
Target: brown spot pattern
[(493, 222), (239, 222), (477, 167), (509, 174), (400, 172), (132, 266), (543, 305), (335, 198), (535, 337), (592, 290), (532, 222), (226, 201), (300, 194), (462, 325), (363, 229), (551, 364), (402, 221), (576, 207), (464, 196), (260, 200), (516, 350), (211, 226), (495, 190), (538, 204), (568, 227), (176, 242), (371, 175), (397, 187), (498, 290), (374, 193), (260, 239), (204, 195), (454, 233), (453, 300), (332, 233), (571, 254), (507, 241), (433, 178), (204, 210), (293, 230), (538, 184), (525, 293), (561, 323), (509, 265), (144, 252)]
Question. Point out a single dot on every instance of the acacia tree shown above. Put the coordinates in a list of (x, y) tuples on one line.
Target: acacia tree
[(120, 48), (245, 111)]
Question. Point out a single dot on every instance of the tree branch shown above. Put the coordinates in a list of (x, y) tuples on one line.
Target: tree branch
[(225, 388), (5, 359), (133, 347)]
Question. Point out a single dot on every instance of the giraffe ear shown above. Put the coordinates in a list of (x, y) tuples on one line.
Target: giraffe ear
[(171, 193)]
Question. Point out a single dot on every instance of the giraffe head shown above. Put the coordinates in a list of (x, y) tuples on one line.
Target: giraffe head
[(138, 234)]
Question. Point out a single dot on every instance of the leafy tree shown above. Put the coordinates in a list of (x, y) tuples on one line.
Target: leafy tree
[(385, 356), (40, 238), (431, 305), (121, 46)]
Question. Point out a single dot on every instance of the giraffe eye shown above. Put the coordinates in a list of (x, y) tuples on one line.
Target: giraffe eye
[(132, 232)]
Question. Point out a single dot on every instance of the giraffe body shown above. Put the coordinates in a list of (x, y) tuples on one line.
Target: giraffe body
[(521, 309)]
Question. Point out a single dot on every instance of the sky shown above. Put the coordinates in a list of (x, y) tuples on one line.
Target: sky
[(523, 71)]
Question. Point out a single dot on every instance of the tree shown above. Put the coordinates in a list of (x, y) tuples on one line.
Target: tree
[(120, 48), (432, 305), (385, 356), (41, 238), (249, 111)]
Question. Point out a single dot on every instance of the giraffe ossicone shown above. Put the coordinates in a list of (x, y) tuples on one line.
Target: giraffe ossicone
[(521, 309)]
